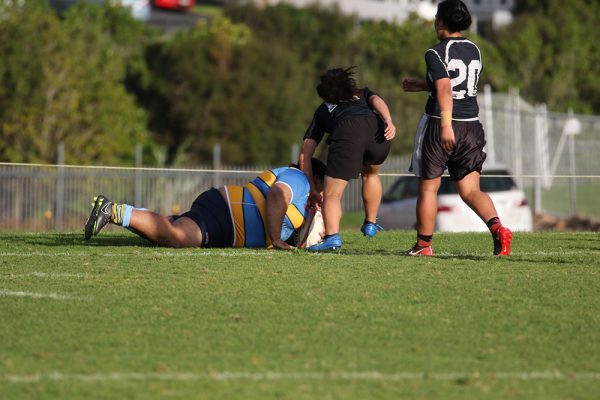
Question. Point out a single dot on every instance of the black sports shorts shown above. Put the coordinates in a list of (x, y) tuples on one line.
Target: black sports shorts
[(211, 213), (354, 143), (468, 154)]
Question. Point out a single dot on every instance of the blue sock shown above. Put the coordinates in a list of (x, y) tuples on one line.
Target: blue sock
[(123, 212)]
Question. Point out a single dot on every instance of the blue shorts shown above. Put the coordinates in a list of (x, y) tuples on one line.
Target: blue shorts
[(211, 213)]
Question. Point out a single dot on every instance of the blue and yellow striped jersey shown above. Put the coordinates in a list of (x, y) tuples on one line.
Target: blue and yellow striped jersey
[(247, 205)]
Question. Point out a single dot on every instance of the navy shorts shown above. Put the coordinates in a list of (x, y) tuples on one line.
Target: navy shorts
[(468, 155), (356, 142), (211, 213)]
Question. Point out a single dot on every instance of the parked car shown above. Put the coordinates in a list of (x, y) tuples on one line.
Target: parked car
[(398, 206), (140, 9), (179, 5)]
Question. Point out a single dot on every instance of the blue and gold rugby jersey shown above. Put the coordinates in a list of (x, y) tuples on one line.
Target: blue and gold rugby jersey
[(248, 204)]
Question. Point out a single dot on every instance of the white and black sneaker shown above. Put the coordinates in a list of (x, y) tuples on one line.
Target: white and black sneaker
[(101, 215)]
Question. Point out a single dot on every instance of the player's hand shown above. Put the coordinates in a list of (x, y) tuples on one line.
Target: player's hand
[(390, 130), (281, 245), (413, 85), (448, 140), (315, 199)]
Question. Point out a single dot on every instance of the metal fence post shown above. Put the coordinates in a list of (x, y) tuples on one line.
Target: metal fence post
[(60, 187), (138, 175), (295, 153), (489, 123), (217, 165)]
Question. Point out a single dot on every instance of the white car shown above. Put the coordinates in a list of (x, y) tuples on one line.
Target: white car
[(398, 206)]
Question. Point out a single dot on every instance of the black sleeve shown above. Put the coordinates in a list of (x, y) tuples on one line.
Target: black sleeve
[(435, 66), (368, 93), (315, 130)]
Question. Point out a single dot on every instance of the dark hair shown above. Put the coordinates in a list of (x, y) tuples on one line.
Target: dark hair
[(454, 14), (318, 167), (337, 84)]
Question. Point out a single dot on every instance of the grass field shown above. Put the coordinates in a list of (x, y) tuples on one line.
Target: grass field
[(117, 318)]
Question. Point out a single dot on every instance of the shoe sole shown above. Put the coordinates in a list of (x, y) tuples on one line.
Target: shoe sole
[(90, 224), (419, 254), (327, 250)]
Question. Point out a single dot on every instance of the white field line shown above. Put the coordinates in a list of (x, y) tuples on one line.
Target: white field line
[(301, 376), (34, 295), (50, 275)]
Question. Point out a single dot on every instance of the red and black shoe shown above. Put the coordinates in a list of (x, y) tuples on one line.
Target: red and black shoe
[(502, 239), (419, 251)]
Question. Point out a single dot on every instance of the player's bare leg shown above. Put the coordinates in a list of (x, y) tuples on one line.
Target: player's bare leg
[(478, 201), (427, 204), (183, 232), (482, 204), (332, 213), (371, 195), (332, 204), (371, 191)]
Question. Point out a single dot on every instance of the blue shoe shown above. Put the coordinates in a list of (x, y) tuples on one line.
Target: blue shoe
[(331, 243), (370, 229)]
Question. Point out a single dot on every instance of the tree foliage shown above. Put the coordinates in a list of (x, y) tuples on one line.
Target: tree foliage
[(62, 81), (100, 81), (552, 53), (219, 84)]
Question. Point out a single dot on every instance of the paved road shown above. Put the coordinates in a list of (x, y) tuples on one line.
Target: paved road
[(172, 21)]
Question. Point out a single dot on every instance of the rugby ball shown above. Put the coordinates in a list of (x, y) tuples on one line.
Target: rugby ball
[(312, 231), (316, 230)]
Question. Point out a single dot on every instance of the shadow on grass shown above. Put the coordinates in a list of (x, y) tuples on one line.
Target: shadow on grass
[(77, 240)]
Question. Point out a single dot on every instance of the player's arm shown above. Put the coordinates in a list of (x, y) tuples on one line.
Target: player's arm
[(379, 105), (280, 195), (444, 97), (308, 150), (414, 85)]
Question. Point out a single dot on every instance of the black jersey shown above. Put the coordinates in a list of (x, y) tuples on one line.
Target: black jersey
[(328, 116), (460, 60)]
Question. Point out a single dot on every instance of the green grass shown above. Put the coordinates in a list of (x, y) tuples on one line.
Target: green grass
[(128, 320), (557, 199), (208, 10)]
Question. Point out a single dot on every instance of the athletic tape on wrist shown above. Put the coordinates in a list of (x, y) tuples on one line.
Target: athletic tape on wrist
[(446, 118)]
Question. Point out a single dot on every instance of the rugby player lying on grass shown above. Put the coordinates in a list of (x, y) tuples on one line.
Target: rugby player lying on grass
[(265, 212)]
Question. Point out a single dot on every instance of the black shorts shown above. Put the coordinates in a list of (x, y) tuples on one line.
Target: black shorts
[(356, 142), (211, 213), (468, 155)]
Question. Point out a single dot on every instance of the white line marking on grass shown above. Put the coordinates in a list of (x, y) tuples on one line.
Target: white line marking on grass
[(51, 275), (301, 376), (33, 295)]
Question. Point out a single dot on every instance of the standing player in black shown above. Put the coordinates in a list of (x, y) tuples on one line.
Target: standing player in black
[(360, 129), (450, 134)]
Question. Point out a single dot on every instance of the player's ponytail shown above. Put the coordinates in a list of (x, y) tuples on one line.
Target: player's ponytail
[(455, 15)]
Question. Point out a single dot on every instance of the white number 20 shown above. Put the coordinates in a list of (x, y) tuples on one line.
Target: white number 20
[(470, 74)]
